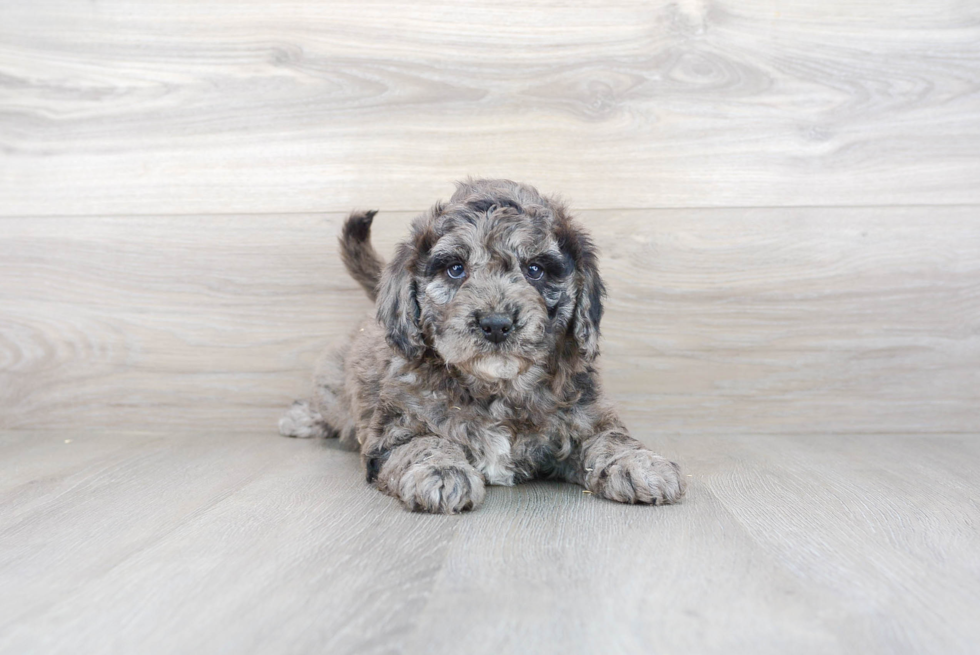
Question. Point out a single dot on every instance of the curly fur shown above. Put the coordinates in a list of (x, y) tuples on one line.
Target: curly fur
[(436, 407)]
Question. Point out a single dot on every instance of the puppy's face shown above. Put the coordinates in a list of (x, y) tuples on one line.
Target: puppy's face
[(494, 289), (495, 282)]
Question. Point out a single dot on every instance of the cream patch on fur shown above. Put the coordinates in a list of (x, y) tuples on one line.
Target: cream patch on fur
[(495, 461), (438, 292), (496, 367)]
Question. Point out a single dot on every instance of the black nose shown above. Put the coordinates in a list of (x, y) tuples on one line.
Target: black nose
[(496, 327)]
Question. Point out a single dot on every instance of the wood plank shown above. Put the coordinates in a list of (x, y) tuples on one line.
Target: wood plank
[(914, 588), (831, 544), (733, 321), (248, 542), (231, 542), (157, 107), (828, 321)]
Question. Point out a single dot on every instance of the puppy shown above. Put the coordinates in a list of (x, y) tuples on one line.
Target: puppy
[(480, 367)]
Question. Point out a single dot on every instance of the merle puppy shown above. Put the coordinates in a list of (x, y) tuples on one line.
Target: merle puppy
[(480, 366)]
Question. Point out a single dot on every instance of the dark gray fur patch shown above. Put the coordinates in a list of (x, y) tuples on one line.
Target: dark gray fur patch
[(358, 226), (373, 463), (586, 385)]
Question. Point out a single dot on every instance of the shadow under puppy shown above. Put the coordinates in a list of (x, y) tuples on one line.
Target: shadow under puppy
[(480, 366)]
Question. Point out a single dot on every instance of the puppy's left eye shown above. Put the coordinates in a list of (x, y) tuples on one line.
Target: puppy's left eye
[(456, 271), (535, 272)]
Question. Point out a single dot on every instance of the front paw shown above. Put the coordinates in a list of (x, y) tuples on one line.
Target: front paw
[(441, 489), (638, 476)]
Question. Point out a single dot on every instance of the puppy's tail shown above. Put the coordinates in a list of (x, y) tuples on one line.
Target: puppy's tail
[(359, 257)]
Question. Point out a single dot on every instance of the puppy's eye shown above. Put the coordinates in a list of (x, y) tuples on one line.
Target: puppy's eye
[(535, 272), (456, 271)]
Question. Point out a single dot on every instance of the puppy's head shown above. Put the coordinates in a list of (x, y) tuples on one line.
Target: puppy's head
[(495, 281)]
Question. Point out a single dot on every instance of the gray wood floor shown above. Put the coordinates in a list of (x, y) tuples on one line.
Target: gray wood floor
[(250, 543), (787, 199)]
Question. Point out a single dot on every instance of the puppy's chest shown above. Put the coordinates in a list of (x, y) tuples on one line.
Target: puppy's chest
[(504, 438), (499, 447)]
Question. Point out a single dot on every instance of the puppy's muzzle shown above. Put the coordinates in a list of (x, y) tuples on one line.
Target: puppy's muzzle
[(496, 327)]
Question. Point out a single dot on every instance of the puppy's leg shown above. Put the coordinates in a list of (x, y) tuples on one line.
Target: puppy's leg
[(325, 414), (304, 422), (431, 474), (614, 465)]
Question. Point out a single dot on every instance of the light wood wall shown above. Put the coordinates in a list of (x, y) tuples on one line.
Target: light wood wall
[(787, 196)]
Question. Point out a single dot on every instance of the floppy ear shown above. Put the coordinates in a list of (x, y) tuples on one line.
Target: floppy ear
[(588, 305), (588, 301), (398, 308)]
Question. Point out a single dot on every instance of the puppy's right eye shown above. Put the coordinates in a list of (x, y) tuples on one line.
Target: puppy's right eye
[(535, 272), (456, 271)]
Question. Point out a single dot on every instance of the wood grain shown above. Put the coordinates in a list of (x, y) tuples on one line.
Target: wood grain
[(787, 199), (735, 321), (136, 107), (164, 526), (246, 542), (786, 544)]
